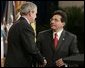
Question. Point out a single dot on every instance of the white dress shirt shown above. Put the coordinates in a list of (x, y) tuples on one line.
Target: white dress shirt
[(58, 33)]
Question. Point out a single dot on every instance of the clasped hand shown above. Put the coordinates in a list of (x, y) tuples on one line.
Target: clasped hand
[(44, 63)]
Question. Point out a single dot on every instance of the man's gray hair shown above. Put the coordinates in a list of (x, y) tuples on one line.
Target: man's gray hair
[(27, 7)]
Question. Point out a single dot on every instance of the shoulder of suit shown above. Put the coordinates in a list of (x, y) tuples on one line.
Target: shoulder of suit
[(45, 31), (69, 33), (15, 25)]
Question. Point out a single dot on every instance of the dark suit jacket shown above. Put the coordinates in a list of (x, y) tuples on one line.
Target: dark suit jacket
[(21, 45), (67, 46)]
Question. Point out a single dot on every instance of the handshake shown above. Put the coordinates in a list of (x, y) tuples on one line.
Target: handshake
[(59, 63), (44, 63)]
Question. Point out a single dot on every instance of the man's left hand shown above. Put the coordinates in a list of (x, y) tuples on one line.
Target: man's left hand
[(60, 62)]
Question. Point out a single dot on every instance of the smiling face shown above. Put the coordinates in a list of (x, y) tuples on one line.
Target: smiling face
[(56, 23)]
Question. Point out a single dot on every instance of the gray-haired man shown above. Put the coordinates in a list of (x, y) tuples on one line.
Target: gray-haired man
[(21, 40)]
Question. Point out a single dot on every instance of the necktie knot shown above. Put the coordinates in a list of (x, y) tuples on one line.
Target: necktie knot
[(56, 35)]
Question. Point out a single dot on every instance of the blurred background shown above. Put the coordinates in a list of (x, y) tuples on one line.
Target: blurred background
[(74, 9)]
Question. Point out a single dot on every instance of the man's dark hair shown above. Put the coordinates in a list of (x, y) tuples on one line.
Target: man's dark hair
[(62, 14)]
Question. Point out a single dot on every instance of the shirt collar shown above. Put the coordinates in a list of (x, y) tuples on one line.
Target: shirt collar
[(26, 19), (58, 33)]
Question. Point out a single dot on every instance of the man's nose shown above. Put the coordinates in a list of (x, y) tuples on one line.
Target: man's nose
[(52, 22)]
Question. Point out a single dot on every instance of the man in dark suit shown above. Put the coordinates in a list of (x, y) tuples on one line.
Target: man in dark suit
[(21, 40), (65, 42)]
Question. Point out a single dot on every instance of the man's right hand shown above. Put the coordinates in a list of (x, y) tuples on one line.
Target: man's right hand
[(44, 63)]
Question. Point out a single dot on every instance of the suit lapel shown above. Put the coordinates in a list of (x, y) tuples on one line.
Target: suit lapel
[(51, 40), (61, 40), (26, 24)]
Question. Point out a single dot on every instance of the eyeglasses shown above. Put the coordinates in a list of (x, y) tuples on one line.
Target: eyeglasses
[(56, 20)]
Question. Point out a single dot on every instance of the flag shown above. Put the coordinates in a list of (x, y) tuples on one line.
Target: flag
[(18, 5)]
